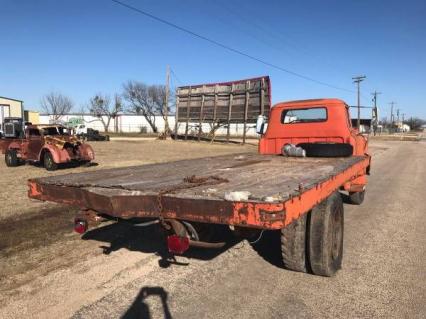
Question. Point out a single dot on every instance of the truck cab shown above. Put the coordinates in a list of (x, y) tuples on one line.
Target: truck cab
[(320, 125), (81, 130)]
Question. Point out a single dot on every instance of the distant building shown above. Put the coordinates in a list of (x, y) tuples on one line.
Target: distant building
[(32, 116), (10, 108), (401, 127), (133, 123), (365, 125), (406, 128)]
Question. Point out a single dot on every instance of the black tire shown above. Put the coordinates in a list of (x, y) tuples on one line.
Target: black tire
[(356, 198), (11, 158), (326, 236), (327, 149), (293, 245), (49, 163)]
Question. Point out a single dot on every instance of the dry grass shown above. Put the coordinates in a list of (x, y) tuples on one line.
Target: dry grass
[(13, 181)]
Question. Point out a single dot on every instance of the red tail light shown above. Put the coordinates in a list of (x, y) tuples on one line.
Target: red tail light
[(177, 245), (80, 226)]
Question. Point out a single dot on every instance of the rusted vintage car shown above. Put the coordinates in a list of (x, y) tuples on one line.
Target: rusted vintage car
[(50, 145)]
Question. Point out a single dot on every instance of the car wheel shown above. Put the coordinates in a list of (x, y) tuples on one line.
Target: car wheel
[(49, 163), (11, 158)]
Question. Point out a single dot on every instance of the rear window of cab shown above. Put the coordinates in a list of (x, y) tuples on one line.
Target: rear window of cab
[(306, 115)]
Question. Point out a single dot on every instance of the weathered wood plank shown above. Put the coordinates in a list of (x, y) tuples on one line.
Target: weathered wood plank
[(262, 176), (219, 94)]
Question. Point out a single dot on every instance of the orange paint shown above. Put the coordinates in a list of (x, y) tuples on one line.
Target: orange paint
[(337, 127)]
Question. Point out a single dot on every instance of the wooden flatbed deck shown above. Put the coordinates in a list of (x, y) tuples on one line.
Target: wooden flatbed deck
[(195, 189)]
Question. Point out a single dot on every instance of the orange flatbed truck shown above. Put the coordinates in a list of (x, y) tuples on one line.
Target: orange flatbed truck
[(299, 196)]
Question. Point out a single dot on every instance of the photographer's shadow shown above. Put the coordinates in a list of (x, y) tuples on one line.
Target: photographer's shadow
[(140, 309)]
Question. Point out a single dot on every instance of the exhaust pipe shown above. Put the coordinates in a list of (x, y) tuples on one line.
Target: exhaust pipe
[(180, 241)]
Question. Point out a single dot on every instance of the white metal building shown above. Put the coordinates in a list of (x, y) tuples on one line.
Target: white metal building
[(132, 123)]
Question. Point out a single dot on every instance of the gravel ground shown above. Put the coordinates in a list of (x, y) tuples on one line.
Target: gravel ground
[(46, 271)]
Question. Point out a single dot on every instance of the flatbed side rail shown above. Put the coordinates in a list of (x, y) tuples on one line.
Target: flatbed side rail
[(255, 214)]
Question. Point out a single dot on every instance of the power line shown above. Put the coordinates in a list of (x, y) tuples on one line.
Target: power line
[(271, 33), (251, 24), (175, 76), (226, 47)]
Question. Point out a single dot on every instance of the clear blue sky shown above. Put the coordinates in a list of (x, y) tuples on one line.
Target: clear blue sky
[(83, 47)]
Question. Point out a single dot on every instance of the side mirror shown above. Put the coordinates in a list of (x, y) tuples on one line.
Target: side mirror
[(260, 125)]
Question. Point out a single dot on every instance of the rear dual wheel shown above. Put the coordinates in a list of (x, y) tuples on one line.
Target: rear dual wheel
[(326, 236), (293, 245), (356, 198), (314, 242)]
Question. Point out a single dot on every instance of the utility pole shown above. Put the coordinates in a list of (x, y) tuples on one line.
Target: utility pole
[(392, 119), (358, 80), (375, 112), (391, 116), (166, 103), (397, 121)]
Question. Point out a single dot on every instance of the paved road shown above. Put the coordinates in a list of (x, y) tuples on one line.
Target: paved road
[(383, 275)]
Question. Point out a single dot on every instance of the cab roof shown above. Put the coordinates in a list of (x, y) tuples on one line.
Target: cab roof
[(311, 102)]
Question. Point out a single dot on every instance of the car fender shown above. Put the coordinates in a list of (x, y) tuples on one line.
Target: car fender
[(15, 146), (59, 155), (86, 152)]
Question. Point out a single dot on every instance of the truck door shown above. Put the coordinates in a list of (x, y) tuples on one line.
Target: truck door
[(35, 142)]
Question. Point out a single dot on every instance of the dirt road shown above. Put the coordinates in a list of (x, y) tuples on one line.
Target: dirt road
[(119, 271)]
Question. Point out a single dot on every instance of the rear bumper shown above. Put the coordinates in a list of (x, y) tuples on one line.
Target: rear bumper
[(255, 215)]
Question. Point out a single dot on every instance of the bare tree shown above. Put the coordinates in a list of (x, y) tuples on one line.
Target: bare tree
[(415, 123), (147, 100), (100, 106), (56, 104), (384, 121)]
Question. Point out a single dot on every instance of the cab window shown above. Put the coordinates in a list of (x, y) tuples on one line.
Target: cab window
[(33, 132), (308, 115), (50, 131)]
